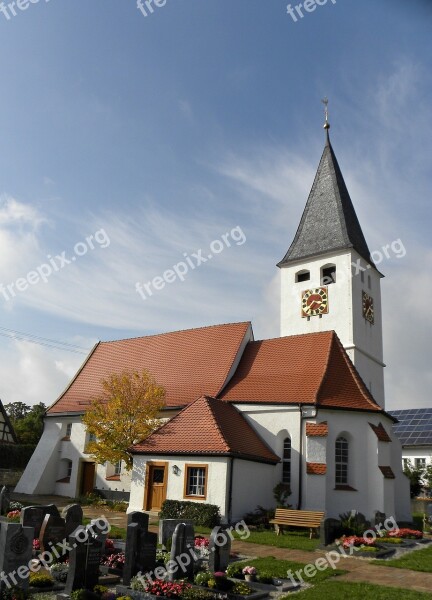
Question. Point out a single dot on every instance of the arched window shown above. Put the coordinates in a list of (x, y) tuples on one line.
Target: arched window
[(302, 276), (328, 274), (286, 461), (341, 461)]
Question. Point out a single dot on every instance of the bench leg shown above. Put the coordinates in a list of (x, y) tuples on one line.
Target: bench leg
[(277, 529)]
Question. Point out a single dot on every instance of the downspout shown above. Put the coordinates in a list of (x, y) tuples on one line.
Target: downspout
[(300, 479), (230, 485)]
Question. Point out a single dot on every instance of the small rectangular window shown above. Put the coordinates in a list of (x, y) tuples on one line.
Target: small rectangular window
[(68, 429), (196, 481), (69, 469), (328, 275), (302, 276), (118, 468), (420, 463)]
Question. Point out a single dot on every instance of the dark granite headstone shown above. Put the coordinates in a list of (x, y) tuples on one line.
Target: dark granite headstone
[(73, 516), (167, 528), (429, 511), (33, 516), (140, 547), (330, 529), (53, 532), (16, 547), (219, 549), (182, 543), (4, 500), (84, 558), (378, 518)]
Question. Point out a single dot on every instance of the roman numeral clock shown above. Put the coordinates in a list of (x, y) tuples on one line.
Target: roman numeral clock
[(314, 302), (368, 308)]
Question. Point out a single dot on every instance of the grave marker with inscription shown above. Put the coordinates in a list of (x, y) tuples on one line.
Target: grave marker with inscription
[(16, 547)]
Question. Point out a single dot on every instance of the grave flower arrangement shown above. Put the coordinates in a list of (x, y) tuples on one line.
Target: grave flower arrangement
[(36, 545), (249, 570), (60, 571), (159, 587), (409, 534), (13, 516), (358, 542), (116, 560), (109, 546), (201, 546)]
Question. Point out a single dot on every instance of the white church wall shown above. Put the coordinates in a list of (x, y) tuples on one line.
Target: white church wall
[(40, 474), (252, 486), (217, 474), (274, 423)]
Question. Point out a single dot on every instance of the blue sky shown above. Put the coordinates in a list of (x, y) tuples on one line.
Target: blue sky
[(167, 131)]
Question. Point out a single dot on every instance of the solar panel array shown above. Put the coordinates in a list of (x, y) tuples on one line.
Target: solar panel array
[(414, 427)]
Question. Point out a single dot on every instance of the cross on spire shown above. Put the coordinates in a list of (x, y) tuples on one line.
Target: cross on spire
[(326, 112)]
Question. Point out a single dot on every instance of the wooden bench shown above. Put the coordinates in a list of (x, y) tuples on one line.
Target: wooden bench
[(286, 517)]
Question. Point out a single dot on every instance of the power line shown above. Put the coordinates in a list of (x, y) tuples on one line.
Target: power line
[(12, 334)]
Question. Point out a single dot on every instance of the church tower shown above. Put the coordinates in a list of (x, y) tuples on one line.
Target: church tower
[(328, 280)]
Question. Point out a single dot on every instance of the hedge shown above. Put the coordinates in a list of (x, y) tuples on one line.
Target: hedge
[(205, 515), (15, 456)]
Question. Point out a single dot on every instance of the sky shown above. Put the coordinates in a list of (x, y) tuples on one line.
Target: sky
[(133, 140)]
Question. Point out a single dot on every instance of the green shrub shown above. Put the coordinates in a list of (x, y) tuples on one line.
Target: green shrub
[(260, 517), (390, 540), (235, 570), (15, 456), (41, 580), (241, 588), (202, 514), (202, 578), (100, 589), (195, 594)]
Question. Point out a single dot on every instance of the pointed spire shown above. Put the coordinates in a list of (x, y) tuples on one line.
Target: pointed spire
[(329, 222)]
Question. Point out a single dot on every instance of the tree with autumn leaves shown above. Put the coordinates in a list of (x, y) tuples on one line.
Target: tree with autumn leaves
[(125, 413)]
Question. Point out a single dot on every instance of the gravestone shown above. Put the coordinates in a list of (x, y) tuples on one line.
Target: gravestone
[(167, 528), (33, 516), (330, 529), (53, 532), (182, 542), (4, 500), (429, 512), (141, 546), (219, 549), (73, 516), (378, 518), (16, 547), (84, 558)]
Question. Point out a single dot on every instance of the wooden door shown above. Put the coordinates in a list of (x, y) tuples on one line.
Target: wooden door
[(87, 477), (157, 484)]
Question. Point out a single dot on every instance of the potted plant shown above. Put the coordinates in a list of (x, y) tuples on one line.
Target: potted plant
[(249, 573)]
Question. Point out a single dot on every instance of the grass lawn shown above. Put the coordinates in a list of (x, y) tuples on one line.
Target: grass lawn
[(279, 568), (118, 533), (296, 540), (329, 590), (420, 560)]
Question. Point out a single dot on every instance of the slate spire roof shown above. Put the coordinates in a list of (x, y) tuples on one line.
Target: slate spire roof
[(329, 221)]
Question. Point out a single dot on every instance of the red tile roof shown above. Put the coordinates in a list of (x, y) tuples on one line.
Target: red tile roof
[(208, 427), (317, 429), (187, 363), (310, 369), (316, 469), (387, 472), (380, 432)]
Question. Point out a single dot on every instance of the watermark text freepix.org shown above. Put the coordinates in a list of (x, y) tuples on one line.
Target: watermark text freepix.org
[(55, 263), (57, 551), (182, 268), (147, 6), (9, 9), (308, 5)]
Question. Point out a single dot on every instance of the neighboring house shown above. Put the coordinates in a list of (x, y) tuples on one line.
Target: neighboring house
[(306, 408), (414, 430), (7, 434)]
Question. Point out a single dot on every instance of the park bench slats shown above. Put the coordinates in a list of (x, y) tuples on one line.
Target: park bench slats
[(285, 517)]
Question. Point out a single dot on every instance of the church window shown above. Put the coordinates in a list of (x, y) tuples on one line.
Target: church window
[(302, 276), (68, 429), (341, 461), (196, 481), (369, 282), (286, 461), (420, 463), (68, 468), (118, 468), (362, 276), (328, 275)]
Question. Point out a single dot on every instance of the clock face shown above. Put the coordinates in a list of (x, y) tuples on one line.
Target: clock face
[(368, 307), (314, 302)]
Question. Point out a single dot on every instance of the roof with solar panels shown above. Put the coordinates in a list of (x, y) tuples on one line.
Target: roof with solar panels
[(414, 427)]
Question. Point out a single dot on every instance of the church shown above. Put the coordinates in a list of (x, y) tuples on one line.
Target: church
[(242, 415)]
